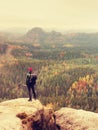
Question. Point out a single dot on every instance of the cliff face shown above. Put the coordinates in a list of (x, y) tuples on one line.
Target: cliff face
[(19, 114)]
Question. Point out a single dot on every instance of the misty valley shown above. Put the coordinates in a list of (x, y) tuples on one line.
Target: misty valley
[(66, 64)]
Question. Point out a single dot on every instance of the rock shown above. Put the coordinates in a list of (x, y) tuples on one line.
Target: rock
[(9, 110), (43, 119), (72, 119), (19, 114)]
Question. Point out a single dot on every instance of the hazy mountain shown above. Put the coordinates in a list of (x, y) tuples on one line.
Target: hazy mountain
[(38, 35)]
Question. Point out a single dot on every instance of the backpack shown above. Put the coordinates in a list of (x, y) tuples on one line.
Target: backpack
[(31, 79)]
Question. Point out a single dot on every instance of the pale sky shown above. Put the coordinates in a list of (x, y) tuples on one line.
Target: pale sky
[(57, 14)]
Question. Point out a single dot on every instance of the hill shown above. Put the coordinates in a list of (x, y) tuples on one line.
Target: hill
[(39, 44), (38, 35), (34, 116)]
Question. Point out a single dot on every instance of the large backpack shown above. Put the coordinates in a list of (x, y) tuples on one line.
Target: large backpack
[(31, 79)]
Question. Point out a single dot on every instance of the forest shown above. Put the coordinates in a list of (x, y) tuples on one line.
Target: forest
[(67, 71)]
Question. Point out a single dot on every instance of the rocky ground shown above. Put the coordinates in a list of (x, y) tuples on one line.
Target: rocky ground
[(19, 114), (72, 119)]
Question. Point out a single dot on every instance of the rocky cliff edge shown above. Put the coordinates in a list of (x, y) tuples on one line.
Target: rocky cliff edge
[(19, 114)]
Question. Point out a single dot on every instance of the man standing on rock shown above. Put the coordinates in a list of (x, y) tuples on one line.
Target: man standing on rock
[(31, 82)]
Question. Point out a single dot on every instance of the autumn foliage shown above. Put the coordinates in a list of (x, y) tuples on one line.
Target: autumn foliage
[(84, 93)]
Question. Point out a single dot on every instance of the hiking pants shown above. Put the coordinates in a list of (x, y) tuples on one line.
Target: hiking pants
[(31, 89)]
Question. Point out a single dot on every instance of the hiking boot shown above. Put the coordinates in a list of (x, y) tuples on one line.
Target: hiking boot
[(30, 100)]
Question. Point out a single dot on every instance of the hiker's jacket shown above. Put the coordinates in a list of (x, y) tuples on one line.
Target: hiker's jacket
[(31, 79)]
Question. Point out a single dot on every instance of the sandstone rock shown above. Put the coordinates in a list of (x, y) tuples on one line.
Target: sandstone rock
[(19, 114), (9, 110), (72, 119)]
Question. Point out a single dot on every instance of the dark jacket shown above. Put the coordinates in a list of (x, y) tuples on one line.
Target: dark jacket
[(31, 79)]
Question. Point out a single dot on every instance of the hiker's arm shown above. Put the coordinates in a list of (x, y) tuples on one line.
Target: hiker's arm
[(27, 77)]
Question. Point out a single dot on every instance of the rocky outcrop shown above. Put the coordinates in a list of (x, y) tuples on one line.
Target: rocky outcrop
[(72, 119), (19, 114), (43, 119)]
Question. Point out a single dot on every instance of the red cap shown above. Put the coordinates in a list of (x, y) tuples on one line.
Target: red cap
[(30, 69)]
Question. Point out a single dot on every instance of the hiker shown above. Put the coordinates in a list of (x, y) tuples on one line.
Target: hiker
[(31, 82)]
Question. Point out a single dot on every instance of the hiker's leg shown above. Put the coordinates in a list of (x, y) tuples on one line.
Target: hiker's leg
[(30, 93), (33, 90)]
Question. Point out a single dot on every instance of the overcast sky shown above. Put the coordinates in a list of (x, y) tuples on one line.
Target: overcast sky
[(56, 14)]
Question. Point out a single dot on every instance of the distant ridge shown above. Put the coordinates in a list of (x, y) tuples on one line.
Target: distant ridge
[(38, 35)]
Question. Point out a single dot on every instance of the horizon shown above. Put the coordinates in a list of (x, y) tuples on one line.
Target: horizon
[(60, 15), (23, 30)]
